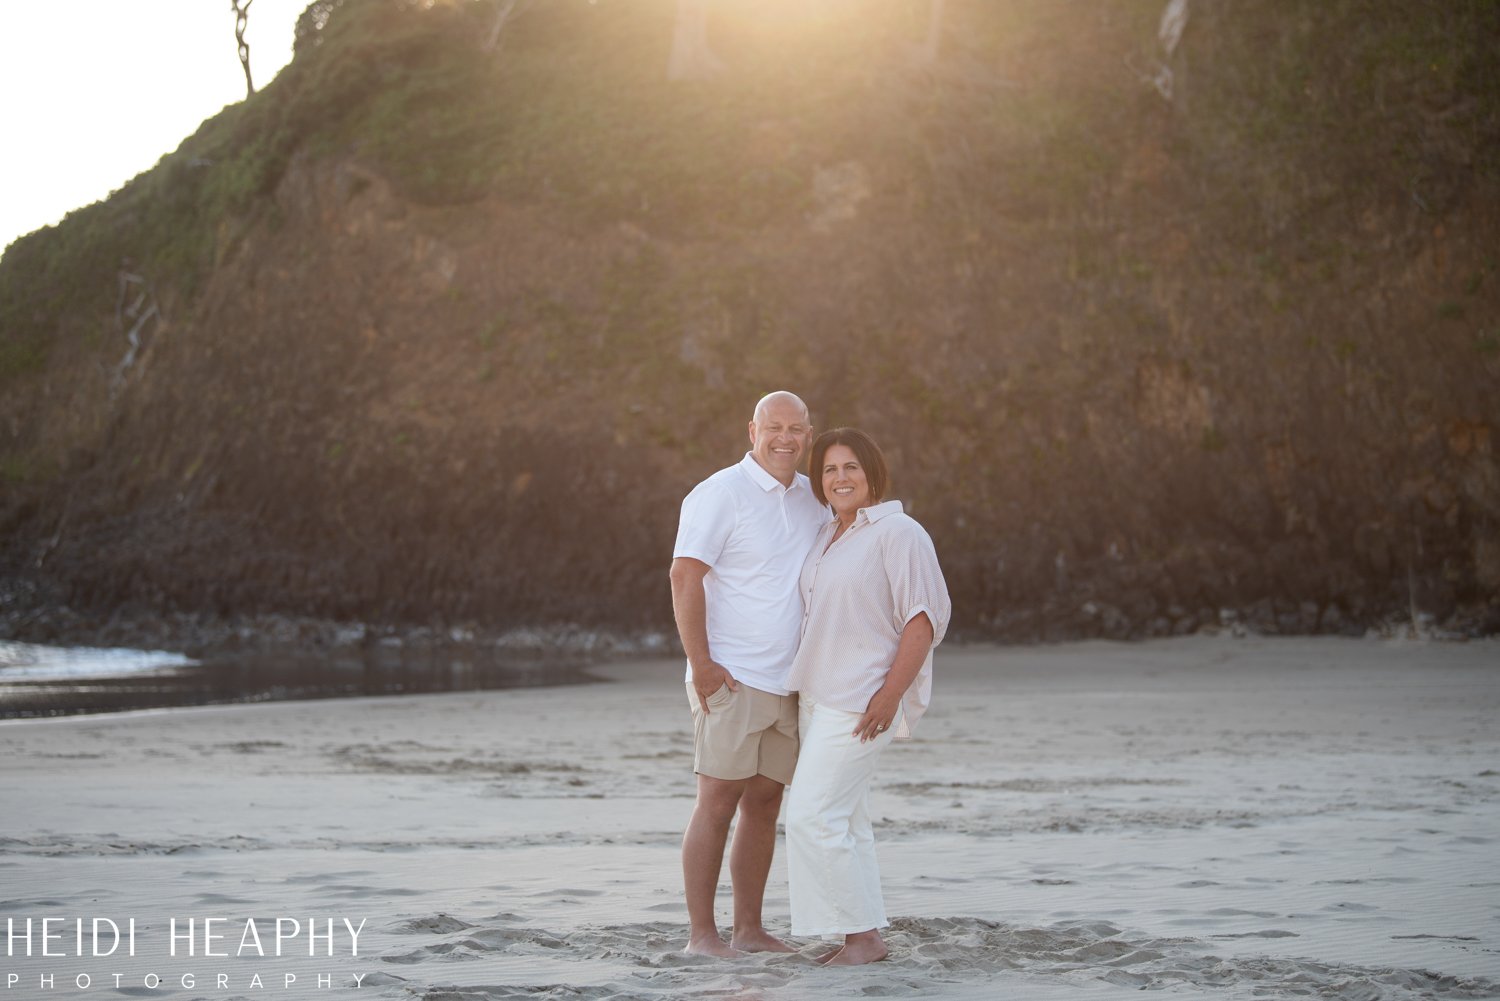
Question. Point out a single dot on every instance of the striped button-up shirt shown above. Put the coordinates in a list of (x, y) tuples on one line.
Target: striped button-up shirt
[(858, 594)]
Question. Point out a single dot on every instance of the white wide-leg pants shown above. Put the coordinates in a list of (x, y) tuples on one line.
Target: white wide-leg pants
[(834, 880)]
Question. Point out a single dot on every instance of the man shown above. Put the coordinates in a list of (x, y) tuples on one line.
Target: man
[(741, 540)]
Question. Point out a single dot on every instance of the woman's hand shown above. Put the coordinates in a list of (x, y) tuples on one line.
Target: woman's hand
[(916, 642), (879, 715)]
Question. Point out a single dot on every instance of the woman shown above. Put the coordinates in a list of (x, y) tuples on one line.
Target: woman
[(874, 606)]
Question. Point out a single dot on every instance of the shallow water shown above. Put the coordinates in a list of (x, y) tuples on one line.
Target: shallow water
[(37, 680), (35, 662)]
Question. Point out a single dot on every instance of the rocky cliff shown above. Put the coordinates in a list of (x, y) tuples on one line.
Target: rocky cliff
[(427, 334)]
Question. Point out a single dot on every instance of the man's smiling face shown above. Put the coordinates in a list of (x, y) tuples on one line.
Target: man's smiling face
[(779, 435)]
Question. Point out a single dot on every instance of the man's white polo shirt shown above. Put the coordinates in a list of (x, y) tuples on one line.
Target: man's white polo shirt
[(754, 534)]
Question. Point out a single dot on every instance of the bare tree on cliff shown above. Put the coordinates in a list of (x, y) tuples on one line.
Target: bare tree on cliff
[(1173, 20), (926, 53), (241, 10), (508, 9), (691, 58)]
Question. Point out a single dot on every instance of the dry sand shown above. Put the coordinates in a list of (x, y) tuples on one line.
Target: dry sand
[(1206, 816)]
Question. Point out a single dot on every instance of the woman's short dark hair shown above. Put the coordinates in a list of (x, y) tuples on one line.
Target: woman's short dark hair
[(877, 474)]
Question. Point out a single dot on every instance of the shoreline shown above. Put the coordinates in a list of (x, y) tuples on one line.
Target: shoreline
[(496, 661)]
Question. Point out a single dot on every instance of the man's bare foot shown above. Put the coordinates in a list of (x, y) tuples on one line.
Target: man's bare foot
[(865, 947), (759, 940), (712, 946)]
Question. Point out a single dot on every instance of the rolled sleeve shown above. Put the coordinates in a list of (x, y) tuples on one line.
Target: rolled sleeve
[(916, 580)]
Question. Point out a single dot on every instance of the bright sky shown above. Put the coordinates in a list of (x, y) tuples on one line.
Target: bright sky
[(96, 91)]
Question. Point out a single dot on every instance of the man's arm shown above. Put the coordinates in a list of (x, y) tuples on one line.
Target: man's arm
[(690, 607)]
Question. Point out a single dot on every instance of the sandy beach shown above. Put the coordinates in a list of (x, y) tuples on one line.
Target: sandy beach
[(1207, 816)]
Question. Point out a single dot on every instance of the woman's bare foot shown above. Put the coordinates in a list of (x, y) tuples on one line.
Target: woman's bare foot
[(822, 958), (859, 949), (759, 940)]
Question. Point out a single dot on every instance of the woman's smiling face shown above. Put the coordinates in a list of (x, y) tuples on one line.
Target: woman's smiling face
[(844, 482)]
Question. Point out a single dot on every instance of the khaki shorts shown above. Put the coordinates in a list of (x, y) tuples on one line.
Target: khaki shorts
[(746, 733)]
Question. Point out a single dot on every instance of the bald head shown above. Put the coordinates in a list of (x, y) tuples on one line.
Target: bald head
[(779, 433), (775, 400)]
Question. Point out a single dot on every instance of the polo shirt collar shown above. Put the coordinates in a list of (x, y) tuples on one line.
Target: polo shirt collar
[(760, 477), (875, 512)]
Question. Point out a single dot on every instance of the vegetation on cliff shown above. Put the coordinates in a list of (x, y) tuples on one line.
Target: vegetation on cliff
[(446, 334)]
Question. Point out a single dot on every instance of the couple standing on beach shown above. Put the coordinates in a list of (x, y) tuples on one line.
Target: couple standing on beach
[(808, 609)]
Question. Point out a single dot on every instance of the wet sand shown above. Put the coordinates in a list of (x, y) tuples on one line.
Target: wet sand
[(1209, 816)]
